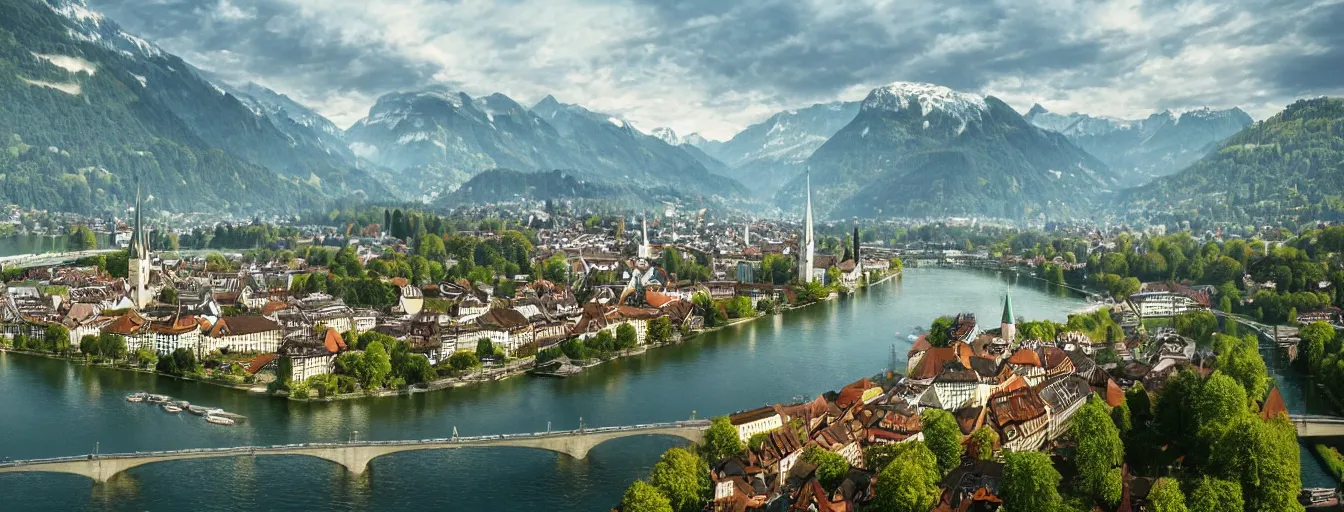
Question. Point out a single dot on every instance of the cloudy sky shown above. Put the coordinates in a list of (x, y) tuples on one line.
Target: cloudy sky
[(715, 66)]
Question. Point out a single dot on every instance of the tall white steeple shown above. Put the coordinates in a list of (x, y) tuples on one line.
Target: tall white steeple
[(644, 250), (138, 266), (807, 247)]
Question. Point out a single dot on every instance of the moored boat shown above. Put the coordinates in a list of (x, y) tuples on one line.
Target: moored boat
[(218, 420), (157, 399), (171, 408), (202, 410), (135, 397)]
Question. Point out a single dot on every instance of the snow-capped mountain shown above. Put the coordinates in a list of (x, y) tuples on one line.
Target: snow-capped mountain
[(437, 138), (1141, 149), (301, 124), (769, 153), (920, 150), (667, 135)]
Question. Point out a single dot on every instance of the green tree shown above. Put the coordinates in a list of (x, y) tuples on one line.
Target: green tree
[(939, 332), (463, 360), (943, 437), (1099, 447), (89, 346), (377, 366), (683, 477), (982, 443), (1265, 458), (168, 295), (1316, 336), (721, 440), (1166, 496), (831, 466), (659, 330), (1030, 482), (1215, 495), (909, 482), (1221, 399), (626, 337), (1240, 359), (82, 238), (113, 345), (146, 357), (1198, 325), (56, 339), (485, 349), (642, 497)]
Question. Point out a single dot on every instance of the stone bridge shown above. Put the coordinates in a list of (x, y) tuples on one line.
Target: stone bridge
[(355, 456)]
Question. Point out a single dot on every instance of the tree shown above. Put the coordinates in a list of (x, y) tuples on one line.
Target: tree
[(603, 342), (1099, 447), (1215, 495), (377, 366), (1264, 457), (89, 346), (831, 466), (168, 295), (682, 477), (56, 338), (146, 357), (113, 345), (939, 332), (554, 269), (418, 370), (642, 497), (909, 483), (721, 440), (1316, 336), (1030, 482), (626, 337), (1198, 325), (659, 330), (982, 443), (1166, 496), (1221, 399), (1121, 417), (943, 437), (485, 349), (82, 238), (431, 248), (463, 360), (1240, 359)]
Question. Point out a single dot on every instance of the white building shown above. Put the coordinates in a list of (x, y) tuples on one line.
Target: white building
[(755, 421)]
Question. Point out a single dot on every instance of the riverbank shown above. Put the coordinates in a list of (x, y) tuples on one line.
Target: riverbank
[(81, 361)]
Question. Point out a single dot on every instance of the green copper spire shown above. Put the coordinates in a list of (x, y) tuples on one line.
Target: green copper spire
[(1007, 309)]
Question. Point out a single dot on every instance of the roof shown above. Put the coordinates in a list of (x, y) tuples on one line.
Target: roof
[(744, 417), (1025, 357), (260, 362), (332, 341), (502, 318), (242, 326), (1273, 405), (1007, 309)]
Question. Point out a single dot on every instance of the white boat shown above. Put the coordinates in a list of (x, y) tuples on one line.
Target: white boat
[(157, 399), (135, 397), (218, 420), (171, 408), (202, 410)]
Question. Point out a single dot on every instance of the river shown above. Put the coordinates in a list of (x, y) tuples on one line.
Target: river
[(15, 245), (53, 408)]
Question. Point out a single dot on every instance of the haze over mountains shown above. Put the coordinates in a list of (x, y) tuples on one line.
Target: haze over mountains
[(97, 107), (1139, 150)]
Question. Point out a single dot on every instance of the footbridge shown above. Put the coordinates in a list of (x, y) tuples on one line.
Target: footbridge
[(355, 455), (1312, 425)]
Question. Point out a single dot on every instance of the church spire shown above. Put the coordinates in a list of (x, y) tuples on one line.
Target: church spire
[(807, 247)]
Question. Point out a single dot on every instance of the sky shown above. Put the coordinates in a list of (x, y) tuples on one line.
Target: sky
[(716, 66)]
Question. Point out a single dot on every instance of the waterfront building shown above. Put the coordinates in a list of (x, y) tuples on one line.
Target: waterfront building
[(249, 333), (1163, 304), (311, 354), (755, 421)]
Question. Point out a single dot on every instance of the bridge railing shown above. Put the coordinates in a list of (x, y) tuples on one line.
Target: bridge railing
[(408, 442)]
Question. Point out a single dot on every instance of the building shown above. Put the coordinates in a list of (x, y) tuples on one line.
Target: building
[(138, 269), (1163, 304), (755, 421), (807, 246), (246, 334), (1007, 325), (312, 355)]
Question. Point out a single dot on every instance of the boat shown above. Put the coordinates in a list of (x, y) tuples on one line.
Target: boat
[(157, 399), (171, 408), (218, 420), (135, 397), (182, 404), (202, 410)]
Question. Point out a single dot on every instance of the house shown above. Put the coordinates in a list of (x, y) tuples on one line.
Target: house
[(1021, 417), (506, 328), (1065, 397), (250, 333), (755, 421), (310, 354), (1163, 304)]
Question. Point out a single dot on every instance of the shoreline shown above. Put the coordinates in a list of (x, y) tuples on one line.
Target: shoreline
[(509, 371)]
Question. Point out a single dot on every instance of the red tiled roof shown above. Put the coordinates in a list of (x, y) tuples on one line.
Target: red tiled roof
[(657, 299), (1025, 357), (260, 361), (333, 341), (1273, 405)]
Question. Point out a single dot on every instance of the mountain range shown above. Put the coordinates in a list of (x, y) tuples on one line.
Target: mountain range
[(1139, 150), (1290, 165), (769, 153), (920, 150)]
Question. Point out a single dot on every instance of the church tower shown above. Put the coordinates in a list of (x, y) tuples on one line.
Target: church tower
[(807, 246), (1007, 325), (138, 268), (644, 251)]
